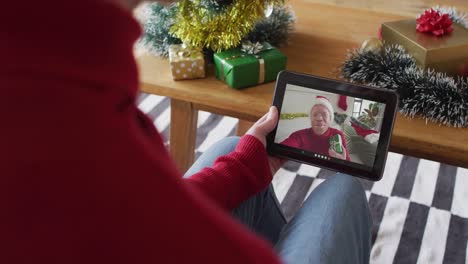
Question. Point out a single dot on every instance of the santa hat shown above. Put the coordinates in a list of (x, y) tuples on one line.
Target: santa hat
[(322, 100)]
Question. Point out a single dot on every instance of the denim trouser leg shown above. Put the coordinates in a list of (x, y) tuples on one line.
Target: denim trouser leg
[(261, 212), (333, 225)]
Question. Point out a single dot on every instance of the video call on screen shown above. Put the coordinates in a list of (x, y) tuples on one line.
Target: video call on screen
[(330, 126)]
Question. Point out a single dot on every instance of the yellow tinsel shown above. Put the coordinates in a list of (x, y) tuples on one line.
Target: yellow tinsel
[(290, 116), (198, 27)]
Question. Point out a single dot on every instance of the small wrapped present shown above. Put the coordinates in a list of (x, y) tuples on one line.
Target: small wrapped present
[(442, 51), (186, 63), (336, 143), (252, 64)]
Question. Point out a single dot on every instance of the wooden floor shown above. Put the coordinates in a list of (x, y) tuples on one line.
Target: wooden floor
[(400, 7)]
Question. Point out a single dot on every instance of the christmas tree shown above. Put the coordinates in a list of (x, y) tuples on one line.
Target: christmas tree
[(216, 25)]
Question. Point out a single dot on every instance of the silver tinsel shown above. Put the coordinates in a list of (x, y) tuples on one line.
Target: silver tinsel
[(157, 22), (276, 28), (429, 94)]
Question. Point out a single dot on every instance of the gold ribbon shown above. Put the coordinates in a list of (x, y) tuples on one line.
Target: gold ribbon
[(261, 74), (183, 51), (249, 49)]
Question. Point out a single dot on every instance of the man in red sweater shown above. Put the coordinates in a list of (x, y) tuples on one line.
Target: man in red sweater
[(317, 138), (84, 175)]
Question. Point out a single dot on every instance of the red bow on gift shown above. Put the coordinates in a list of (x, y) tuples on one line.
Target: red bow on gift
[(434, 22)]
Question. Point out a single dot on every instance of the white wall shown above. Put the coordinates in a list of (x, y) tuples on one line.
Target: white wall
[(299, 99)]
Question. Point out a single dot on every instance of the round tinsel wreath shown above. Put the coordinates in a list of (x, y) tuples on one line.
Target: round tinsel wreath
[(198, 27), (433, 95)]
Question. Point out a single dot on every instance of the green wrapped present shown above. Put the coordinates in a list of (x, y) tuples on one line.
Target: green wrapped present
[(253, 64), (336, 143)]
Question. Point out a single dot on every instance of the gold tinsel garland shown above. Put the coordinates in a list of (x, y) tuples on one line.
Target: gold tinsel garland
[(198, 27), (290, 116)]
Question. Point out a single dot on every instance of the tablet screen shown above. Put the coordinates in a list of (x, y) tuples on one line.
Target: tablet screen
[(330, 126)]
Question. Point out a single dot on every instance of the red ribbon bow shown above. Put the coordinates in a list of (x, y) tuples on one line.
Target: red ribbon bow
[(434, 22)]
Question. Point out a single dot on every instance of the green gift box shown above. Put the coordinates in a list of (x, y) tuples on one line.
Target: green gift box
[(249, 65), (336, 143)]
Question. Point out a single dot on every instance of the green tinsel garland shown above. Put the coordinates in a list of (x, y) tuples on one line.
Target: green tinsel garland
[(157, 37), (274, 29), (432, 95)]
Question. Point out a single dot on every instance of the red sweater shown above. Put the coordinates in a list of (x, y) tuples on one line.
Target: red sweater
[(84, 176), (306, 139)]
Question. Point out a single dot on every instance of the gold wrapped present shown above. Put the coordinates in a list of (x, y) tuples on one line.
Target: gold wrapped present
[(186, 63), (442, 53)]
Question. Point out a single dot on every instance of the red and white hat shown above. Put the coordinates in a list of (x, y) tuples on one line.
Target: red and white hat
[(322, 100)]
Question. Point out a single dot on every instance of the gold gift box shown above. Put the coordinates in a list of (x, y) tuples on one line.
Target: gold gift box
[(186, 63), (444, 53)]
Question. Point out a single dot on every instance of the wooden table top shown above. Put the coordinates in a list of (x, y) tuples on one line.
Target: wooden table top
[(323, 35)]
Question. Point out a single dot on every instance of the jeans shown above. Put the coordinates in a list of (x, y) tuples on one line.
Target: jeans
[(332, 226)]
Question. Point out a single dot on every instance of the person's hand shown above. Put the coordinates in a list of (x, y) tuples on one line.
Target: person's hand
[(260, 130), (334, 154), (264, 125)]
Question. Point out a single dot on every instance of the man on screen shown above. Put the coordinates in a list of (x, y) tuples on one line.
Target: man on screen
[(320, 136)]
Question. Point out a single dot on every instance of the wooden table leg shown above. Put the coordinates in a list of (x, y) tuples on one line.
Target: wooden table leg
[(242, 127), (183, 133)]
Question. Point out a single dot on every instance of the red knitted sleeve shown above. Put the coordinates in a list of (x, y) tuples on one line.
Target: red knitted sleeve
[(237, 176)]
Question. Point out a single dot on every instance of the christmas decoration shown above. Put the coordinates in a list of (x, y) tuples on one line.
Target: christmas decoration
[(336, 143), (361, 131), (442, 53), (355, 121), (198, 27), (457, 17), (434, 22), (186, 63), (372, 44), (433, 95), (290, 116), (275, 28), (252, 64), (253, 48), (342, 103), (157, 37), (340, 118), (417, 65), (215, 6)]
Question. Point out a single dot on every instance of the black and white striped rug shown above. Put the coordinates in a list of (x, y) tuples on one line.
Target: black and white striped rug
[(419, 208)]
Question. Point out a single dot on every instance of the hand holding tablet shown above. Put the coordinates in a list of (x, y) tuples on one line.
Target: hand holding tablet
[(331, 124)]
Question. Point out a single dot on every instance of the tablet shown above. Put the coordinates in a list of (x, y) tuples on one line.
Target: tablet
[(331, 124)]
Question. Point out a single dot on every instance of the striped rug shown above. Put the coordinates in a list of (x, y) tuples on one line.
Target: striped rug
[(419, 208)]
